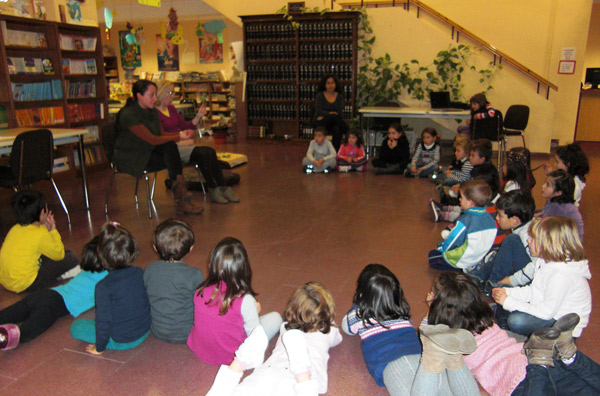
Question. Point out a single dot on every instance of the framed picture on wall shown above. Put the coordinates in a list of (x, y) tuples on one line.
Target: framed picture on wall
[(131, 54), (167, 54), (211, 48)]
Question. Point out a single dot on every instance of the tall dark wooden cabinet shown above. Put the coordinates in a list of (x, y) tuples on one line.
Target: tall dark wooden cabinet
[(285, 66)]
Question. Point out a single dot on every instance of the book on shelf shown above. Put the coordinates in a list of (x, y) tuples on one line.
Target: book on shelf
[(92, 135), (41, 116), (81, 89), (77, 43), (78, 112), (46, 90), (79, 66), (61, 164), (21, 38), (29, 65)]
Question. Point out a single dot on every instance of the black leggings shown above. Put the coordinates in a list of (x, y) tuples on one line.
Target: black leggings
[(206, 158), (50, 270), (166, 155), (36, 313)]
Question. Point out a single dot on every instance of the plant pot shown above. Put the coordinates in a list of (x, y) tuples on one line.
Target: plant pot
[(220, 135)]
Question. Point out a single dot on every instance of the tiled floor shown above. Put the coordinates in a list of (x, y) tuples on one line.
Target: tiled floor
[(296, 228)]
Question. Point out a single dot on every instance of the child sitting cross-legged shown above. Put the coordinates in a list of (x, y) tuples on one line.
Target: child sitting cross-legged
[(171, 283), (394, 153), (558, 189), (426, 159), (460, 169), (351, 155), (515, 212), (473, 234), (320, 156)]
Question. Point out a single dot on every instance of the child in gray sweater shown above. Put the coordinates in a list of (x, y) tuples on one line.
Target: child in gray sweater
[(321, 155)]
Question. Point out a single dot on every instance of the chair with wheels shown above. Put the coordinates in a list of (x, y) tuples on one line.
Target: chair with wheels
[(109, 137), (31, 160), (491, 129), (515, 122)]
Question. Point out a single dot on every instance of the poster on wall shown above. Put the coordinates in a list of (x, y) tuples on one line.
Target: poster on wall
[(131, 55), (211, 51), (167, 54)]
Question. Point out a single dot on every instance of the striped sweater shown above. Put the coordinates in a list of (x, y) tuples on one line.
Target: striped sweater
[(382, 343)]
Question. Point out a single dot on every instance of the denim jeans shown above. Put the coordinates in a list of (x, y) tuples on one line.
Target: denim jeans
[(520, 322), (510, 258), (582, 378)]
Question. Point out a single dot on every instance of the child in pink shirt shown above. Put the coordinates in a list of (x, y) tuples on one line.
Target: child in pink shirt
[(351, 155)]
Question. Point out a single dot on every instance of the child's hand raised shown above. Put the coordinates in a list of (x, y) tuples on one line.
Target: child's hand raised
[(392, 143), (50, 223), (91, 348), (499, 295)]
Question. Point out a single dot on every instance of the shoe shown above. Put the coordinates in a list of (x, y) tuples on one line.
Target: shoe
[(539, 348), (434, 210), (188, 208), (227, 192), (343, 168), (180, 191), (216, 196), (70, 273), (565, 344), (308, 169), (443, 347), (328, 170), (10, 334), (407, 172)]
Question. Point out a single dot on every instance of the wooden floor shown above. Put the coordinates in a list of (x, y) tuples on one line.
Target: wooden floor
[(296, 228)]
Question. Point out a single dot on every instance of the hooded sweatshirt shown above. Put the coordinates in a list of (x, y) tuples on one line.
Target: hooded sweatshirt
[(557, 289)]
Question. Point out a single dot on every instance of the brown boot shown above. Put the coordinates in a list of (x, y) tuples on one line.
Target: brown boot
[(188, 208), (539, 348), (180, 191), (565, 345), (443, 347)]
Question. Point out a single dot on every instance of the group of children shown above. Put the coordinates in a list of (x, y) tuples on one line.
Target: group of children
[(542, 260)]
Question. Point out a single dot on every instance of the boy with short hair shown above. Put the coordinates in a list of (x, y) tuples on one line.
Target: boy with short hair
[(473, 234), (515, 212), (33, 256), (171, 284), (321, 155)]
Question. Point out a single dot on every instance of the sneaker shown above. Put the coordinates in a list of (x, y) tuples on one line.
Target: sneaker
[(434, 210), (228, 193), (70, 273), (188, 208), (308, 169), (328, 169), (9, 336), (343, 168)]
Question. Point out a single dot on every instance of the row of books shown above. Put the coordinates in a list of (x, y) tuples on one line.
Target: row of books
[(3, 119), (84, 111), (40, 116), (77, 43), (29, 65), (184, 76), (22, 38), (79, 66), (46, 90), (81, 89)]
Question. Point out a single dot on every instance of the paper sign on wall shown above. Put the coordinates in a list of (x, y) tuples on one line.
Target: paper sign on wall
[(152, 3), (568, 53)]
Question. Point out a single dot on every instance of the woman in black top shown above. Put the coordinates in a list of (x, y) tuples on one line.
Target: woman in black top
[(329, 108)]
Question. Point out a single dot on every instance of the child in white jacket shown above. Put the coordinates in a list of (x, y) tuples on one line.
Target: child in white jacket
[(560, 281)]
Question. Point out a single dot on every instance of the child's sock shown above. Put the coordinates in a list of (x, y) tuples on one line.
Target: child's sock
[(343, 168), (70, 273)]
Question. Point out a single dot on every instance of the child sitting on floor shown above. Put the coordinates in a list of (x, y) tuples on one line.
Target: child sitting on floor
[(515, 212), (298, 364), (516, 172), (351, 155), (426, 159), (473, 234), (320, 156), (171, 283), (558, 189), (33, 256), (460, 169), (394, 153), (572, 159)]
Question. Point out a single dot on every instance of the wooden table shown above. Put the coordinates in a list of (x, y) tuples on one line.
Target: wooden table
[(406, 112), (61, 136)]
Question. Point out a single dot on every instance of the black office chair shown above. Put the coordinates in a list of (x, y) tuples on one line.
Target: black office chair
[(515, 122), (109, 137), (189, 114), (491, 129), (31, 160), (379, 126)]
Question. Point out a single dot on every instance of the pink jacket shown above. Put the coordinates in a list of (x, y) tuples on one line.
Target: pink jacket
[(498, 364), (347, 151)]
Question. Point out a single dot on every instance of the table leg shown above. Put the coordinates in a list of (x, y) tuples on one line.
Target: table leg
[(80, 150)]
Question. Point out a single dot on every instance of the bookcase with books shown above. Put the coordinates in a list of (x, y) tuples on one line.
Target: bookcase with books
[(285, 65), (53, 74)]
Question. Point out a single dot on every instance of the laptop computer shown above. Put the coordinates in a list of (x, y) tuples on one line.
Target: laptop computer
[(441, 101)]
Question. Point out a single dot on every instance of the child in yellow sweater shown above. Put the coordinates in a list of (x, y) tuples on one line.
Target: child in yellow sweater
[(33, 256)]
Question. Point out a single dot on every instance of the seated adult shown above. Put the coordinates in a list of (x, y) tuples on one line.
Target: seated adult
[(140, 143), (206, 157), (329, 109)]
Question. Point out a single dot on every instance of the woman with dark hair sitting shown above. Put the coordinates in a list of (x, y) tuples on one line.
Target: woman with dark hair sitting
[(329, 108), (140, 143)]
